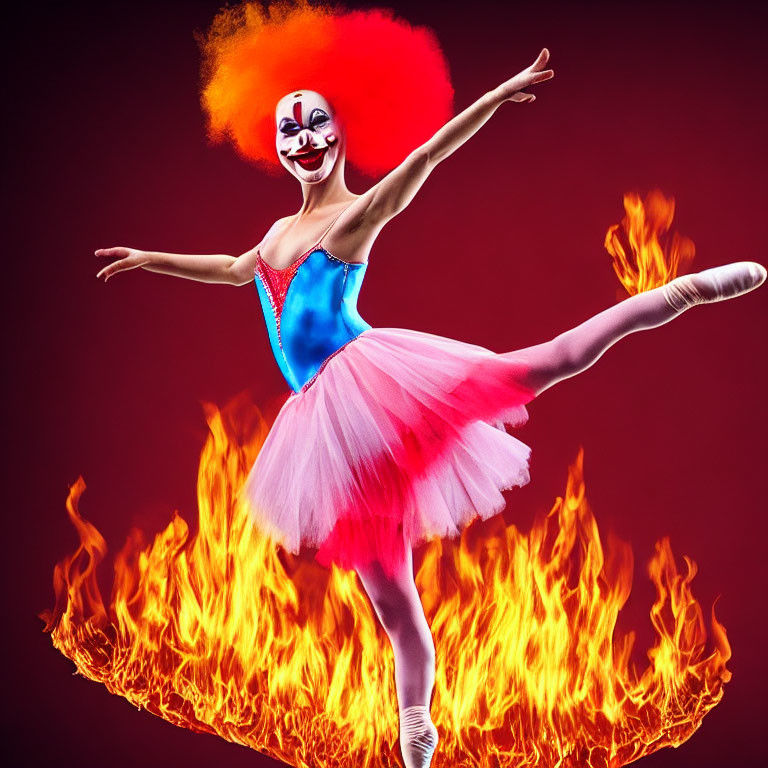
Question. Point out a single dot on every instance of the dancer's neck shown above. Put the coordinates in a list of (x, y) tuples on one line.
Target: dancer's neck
[(324, 194)]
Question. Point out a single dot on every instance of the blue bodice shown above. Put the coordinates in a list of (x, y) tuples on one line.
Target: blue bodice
[(310, 309)]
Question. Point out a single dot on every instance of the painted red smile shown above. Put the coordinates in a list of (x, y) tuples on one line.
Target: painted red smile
[(311, 160)]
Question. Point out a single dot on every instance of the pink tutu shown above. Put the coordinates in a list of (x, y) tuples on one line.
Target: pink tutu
[(399, 438)]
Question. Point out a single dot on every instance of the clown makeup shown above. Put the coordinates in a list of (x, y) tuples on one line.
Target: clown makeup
[(307, 135)]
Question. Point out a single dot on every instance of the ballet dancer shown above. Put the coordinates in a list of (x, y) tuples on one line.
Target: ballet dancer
[(389, 436)]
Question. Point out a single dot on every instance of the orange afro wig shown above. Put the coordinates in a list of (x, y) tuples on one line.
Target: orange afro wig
[(386, 80)]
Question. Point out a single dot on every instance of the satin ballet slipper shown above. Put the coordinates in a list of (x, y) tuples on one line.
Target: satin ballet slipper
[(716, 284), (418, 737)]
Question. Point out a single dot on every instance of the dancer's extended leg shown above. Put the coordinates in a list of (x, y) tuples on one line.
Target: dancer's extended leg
[(577, 349), (398, 606)]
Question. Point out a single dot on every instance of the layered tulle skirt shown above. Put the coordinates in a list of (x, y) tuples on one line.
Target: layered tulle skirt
[(399, 438)]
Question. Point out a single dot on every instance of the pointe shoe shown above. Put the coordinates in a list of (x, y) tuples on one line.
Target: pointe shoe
[(716, 284), (418, 737)]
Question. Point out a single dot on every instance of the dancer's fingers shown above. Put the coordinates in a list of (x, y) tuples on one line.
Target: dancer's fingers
[(113, 269), (546, 74), (117, 252), (541, 60)]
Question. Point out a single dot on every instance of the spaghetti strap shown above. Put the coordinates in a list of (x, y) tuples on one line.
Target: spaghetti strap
[(330, 226), (298, 261)]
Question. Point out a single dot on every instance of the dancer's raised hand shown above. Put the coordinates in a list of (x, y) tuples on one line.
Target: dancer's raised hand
[(512, 90), (396, 190), (124, 259)]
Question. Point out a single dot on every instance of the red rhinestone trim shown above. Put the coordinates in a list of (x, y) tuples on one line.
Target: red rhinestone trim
[(311, 381), (276, 282)]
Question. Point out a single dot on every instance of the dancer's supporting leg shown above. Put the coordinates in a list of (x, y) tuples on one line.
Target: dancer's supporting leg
[(577, 349), (398, 606)]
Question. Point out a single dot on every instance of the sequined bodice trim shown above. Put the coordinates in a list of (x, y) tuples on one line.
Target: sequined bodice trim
[(310, 311), (277, 281)]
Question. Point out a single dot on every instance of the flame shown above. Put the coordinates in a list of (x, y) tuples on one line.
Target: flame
[(653, 257), (221, 632)]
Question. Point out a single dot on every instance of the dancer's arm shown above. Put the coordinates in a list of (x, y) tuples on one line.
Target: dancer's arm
[(395, 191), (216, 268)]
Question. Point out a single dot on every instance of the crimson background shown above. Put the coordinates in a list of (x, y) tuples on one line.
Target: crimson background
[(503, 247)]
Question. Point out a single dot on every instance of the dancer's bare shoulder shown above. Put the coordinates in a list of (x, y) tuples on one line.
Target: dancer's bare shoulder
[(292, 236), (354, 232)]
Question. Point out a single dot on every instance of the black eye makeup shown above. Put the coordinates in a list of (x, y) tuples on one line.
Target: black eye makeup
[(318, 117), (289, 126)]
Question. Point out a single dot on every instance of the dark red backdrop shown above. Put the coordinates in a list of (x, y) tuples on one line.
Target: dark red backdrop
[(503, 247)]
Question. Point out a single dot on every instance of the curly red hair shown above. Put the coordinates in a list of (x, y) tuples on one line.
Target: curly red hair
[(387, 81)]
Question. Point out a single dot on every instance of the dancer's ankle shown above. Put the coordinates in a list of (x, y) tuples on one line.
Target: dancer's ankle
[(681, 293), (716, 284), (418, 736)]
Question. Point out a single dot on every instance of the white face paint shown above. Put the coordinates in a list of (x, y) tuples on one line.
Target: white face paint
[(307, 136)]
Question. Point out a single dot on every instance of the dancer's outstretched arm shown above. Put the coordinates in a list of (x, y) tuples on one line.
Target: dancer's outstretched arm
[(214, 268), (209, 268), (392, 194)]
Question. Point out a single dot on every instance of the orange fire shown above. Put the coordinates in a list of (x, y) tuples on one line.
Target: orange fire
[(644, 254), (219, 631)]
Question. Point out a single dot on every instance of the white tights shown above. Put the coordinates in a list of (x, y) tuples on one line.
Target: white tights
[(398, 606), (577, 349), (396, 601)]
